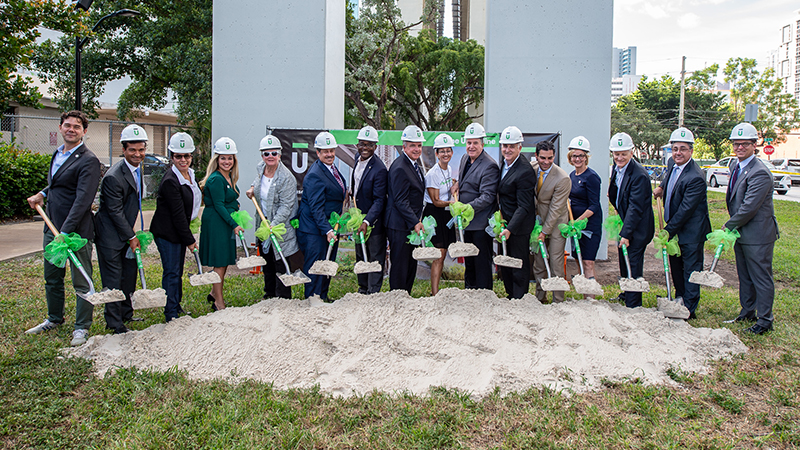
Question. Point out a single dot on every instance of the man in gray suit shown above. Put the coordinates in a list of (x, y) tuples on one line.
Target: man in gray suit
[(478, 178), (686, 214), (120, 203), (749, 201)]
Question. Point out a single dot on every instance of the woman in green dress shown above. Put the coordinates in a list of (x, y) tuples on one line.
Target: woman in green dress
[(218, 229)]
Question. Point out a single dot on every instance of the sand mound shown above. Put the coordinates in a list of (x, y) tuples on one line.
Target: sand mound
[(470, 340), (462, 249)]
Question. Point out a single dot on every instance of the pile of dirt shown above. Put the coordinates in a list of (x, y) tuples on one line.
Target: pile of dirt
[(465, 339)]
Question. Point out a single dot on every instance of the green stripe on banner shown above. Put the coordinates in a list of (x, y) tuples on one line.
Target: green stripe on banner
[(528, 149), (394, 137), (299, 145)]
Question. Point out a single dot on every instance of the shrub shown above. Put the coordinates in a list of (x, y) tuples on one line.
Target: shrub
[(22, 174)]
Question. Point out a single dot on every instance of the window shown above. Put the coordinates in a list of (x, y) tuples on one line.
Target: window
[(787, 34), (9, 123)]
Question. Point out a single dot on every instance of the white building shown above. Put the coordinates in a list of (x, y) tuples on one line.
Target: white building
[(623, 62), (786, 59), (624, 85)]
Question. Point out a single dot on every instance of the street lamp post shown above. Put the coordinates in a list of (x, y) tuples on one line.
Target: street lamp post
[(80, 42)]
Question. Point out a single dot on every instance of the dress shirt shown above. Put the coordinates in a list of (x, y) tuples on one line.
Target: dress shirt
[(197, 196)]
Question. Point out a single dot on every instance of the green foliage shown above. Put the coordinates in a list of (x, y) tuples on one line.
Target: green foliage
[(22, 174), (19, 23)]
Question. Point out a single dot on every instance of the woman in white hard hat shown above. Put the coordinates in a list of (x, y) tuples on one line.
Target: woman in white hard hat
[(218, 229), (441, 185), (178, 203), (275, 190), (584, 199)]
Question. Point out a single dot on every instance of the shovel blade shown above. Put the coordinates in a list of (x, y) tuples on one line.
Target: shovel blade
[(554, 284), (298, 277), (324, 267), (707, 278), (462, 249), (204, 278), (586, 286), (250, 262), (634, 285), (507, 261), (104, 296), (147, 298)]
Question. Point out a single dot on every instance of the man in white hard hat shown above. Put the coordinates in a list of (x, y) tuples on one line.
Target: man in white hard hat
[(516, 199), (324, 191), (686, 214), (749, 201), (71, 186), (479, 175), (368, 185), (404, 204), (553, 186), (120, 204), (630, 193)]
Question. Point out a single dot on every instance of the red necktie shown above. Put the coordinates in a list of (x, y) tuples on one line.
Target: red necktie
[(338, 178), (734, 176)]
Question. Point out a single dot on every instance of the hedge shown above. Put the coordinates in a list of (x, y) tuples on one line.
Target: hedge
[(22, 174)]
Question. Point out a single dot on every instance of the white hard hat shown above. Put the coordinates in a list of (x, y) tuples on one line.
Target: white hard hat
[(474, 131), (620, 142), (682, 134), (579, 143), (443, 141), (511, 135), (744, 131), (225, 146), (269, 142), (412, 133), (368, 134), (133, 133), (324, 140), (181, 143)]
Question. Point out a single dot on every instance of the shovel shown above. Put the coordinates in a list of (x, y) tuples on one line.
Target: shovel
[(146, 298), (352, 225), (426, 251), (366, 266), (708, 277), (495, 229), (325, 266), (462, 214), (632, 284), (574, 229), (243, 219), (288, 278), (551, 283), (202, 278), (93, 297), (672, 308)]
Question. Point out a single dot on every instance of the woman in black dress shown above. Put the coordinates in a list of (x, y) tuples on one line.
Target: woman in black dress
[(441, 184), (585, 201)]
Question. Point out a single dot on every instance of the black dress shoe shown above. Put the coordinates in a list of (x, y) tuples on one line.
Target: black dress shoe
[(692, 316), (121, 329), (134, 319), (759, 329), (741, 319)]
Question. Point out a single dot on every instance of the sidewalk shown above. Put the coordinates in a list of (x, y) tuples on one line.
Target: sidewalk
[(23, 239)]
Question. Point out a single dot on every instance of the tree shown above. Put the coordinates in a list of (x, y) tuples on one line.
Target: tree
[(436, 80), (641, 124), (19, 23)]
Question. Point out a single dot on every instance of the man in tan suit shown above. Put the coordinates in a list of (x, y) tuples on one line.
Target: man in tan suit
[(552, 192)]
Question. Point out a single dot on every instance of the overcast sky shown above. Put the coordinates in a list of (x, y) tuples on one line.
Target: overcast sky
[(705, 31)]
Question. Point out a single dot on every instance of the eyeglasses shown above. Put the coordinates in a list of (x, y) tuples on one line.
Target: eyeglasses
[(578, 156), (741, 144), (444, 150), (182, 155), (265, 154)]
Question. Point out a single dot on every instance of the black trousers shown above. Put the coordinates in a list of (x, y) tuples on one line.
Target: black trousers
[(691, 260), (273, 287), (403, 268), (636, 257), (517, 281), (478, 269), (370, 283), (117, 272)]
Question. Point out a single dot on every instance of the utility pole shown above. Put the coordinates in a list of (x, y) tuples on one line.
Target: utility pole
[(683, 90)]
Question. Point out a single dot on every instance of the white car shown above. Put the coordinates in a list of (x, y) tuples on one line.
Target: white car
[(789, 165), (717, 175)]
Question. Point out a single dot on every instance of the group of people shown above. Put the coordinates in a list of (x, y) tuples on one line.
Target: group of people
[(394, 203)]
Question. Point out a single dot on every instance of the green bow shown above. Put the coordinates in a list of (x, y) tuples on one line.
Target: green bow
[(340, 220), (356, 219), (663, 241), (56, 252), (534, 242), (498, 224), (295, 223), (467, 212), (613, 225), (194, 225), (723, 237), (243, 219), (145, 239), (428, 231), (265, 230), (573, 228)]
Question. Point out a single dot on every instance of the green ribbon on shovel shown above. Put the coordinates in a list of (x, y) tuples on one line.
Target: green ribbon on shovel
[(57, 251), (662, 241), (534, 242), (726, 238), (340, 220), (356, 219), (465, 211), (613, 225), (573, 229), (498, 224), (428, 231), (194, 225), (265, 230), (145, 239), (243, 219)]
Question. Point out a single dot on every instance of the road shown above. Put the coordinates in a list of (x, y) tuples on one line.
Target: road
[(793, 195)]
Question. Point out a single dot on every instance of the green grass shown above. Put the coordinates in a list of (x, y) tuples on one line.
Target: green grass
[(49, 402)]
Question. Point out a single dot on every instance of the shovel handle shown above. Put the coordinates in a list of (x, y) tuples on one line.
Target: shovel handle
[(197, 260), (627, 261), (544, 257), (280, 252), (716, 257), (665, 258), (141, 267), (258, 208), (363, 246), (47, 220), (244, 245), (578, 252)]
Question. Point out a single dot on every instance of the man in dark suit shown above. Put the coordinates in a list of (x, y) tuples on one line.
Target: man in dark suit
[(479, 175), (71, 186), (749, 201), (515, 196), (686, 213), (120, 204), (404, 204), (324, 191), (368, 183), (631, 195)]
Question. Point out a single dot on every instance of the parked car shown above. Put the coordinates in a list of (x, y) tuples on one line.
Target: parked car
[(717, 175), (789, 165), (153, 163)]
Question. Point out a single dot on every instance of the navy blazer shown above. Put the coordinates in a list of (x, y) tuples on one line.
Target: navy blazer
[(371, 195), (322, 195), (516, 196), (71, 191), (406, 195), (635, 205), (119, 206), (173, 211), (688, 207)]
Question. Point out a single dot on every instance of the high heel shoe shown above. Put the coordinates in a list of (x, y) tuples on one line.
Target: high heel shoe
[(211, 300)]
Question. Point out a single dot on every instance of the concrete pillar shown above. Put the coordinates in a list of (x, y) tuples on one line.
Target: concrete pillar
[(548, 69)]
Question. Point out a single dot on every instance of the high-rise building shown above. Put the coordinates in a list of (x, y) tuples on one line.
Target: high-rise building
[(466, 17), (786, 59), (623, 62)]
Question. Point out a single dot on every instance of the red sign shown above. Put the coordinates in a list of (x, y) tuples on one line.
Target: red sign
[(768, 149), (53, 138)]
